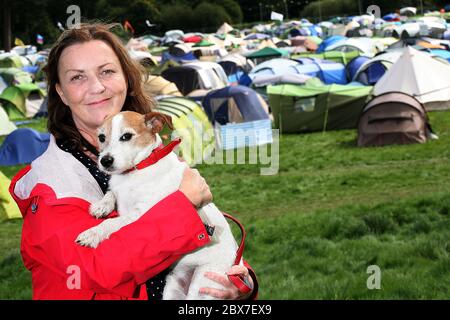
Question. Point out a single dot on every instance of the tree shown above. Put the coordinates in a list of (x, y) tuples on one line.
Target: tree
[(210, 17), (233, 9)]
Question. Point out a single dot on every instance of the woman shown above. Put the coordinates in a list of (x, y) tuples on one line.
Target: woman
[(90, 76)]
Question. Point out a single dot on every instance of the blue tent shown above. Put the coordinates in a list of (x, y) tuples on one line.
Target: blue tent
[(187, 57), (390, 17), (328, 42), (327, 71), (353, 66), (23, 146), (250, 105)]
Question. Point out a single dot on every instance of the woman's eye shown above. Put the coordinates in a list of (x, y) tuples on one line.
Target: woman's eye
[(77, 77), (101, 138), (126, 137), (108, 72)]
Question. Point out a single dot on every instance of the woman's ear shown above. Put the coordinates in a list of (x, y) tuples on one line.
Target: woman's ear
[(61, 94)]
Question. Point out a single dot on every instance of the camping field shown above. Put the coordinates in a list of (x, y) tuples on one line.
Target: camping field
[(331, 211)]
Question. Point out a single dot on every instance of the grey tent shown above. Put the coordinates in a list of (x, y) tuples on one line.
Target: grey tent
[(393, 118)]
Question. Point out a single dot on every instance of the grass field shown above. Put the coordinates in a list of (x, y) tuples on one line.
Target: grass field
[(331, 211)]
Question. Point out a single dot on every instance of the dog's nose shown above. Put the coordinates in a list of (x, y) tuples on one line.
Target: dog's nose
[(107, 161)]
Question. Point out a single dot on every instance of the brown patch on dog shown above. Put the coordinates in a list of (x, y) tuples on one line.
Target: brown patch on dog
[(145, 136)]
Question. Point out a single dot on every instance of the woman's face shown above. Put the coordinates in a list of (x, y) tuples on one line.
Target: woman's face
[(91, 83)]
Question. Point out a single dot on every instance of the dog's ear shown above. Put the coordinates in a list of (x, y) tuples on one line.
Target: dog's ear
[(155, 121)]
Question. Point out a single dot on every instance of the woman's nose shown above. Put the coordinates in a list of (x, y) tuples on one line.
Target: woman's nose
[(96, 85)]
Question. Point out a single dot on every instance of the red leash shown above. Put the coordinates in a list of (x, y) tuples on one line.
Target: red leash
[(238, 280)]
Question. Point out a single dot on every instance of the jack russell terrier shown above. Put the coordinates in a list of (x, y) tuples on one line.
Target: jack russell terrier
[(128, 144)]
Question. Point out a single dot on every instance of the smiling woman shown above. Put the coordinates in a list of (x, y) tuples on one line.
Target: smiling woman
[(91, 76)]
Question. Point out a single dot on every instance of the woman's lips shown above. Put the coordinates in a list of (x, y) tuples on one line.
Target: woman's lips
[(97, 103)]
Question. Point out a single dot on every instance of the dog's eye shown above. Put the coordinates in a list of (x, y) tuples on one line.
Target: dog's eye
[(101, 138), (126, 137)]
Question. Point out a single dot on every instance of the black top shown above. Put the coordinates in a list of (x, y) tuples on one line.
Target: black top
[(155, 285)]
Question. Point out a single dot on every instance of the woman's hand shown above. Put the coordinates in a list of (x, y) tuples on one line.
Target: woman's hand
[(231, 292), (195, 188)]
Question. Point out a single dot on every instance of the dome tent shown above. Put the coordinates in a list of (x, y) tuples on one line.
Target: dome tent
[(392, 118), (6, 126), (234, 104), (240, 117), (22, 100), (191, 124), (23, 146)]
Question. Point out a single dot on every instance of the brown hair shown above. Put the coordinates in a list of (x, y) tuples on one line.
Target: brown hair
[(60, 121)]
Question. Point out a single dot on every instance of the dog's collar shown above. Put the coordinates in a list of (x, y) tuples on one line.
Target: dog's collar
[(157, 154)]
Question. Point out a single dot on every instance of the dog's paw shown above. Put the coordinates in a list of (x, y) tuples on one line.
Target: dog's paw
[(101, 209), (89, 238)]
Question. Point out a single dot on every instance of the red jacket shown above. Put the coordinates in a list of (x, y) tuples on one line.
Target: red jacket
[(56, 212)]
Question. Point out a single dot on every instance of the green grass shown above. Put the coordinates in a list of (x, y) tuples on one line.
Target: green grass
[(331, 211)]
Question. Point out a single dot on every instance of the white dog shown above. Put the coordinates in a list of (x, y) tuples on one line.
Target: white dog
[(126, 139)]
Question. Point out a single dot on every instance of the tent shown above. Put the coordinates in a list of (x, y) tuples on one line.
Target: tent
[(234, 104), (373, 69), (408, 11), (224, 28), (309, 108), (336, 56), (327, 71), (392, 118), (328, 42), (267, 53), (418, 74), (196, 75), (6, 126), (352, 67), (240, 117), (22, 100), (23, 146), (366, 46), (9, 60), (166, 56), (8, 206), (12, 76), (192, 125)]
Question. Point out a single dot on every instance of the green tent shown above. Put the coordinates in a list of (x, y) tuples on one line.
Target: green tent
[(6, 126), (8, 208), (13, 76), (336, 56), (268, 52), (192, 125), (203, 43), (22, 100), (11, 61), (311, 107)]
